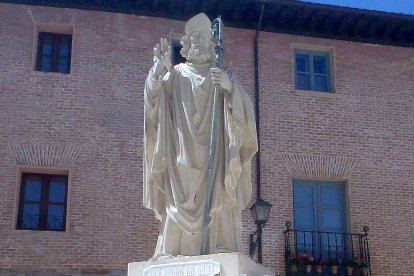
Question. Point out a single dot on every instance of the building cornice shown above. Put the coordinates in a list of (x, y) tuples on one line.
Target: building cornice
[(280, 16)]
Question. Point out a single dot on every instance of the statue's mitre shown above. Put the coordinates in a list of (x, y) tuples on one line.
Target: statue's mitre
[(199, 23)]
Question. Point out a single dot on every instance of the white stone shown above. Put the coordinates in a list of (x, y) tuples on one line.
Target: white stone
[(178, 111), (222, 264), (196, 268)]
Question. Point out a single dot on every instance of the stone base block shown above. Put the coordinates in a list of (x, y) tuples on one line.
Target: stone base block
[(223, 264)]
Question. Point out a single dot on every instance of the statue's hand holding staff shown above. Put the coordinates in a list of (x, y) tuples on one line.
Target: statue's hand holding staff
[(219, 77), (162, 60)]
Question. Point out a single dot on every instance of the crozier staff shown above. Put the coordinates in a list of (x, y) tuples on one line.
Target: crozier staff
[(178, 114), (217, 32)]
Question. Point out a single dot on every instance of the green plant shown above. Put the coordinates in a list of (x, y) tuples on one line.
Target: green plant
[(331, 262), (351, 263), (317, 261), (293, 260), (363, 264)]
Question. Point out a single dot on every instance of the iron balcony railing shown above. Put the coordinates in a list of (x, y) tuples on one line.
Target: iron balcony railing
[(326, 253)]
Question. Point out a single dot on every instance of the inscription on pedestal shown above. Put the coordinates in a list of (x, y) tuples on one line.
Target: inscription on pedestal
[(196, 268)]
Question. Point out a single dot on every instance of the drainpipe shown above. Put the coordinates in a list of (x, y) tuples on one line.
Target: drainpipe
[(256, 90), (257, 98)]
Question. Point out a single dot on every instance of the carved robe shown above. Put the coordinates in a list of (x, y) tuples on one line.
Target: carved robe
[(178, 111)]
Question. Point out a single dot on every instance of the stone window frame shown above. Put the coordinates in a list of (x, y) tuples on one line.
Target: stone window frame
[(336, 168), (329, 50), (42, 171), (59, 30), (311, 55)]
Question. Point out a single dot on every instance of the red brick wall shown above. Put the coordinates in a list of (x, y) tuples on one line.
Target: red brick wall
[(98, 108), (370, 118)]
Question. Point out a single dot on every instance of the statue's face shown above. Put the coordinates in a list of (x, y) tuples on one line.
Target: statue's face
[(200, 40), (200, 48)]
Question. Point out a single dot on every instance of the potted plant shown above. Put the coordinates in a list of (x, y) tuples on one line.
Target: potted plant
[(333, 265), (303, 260), (294, 262), (309, 262), (350, 265), (363, 266), (318, 263)]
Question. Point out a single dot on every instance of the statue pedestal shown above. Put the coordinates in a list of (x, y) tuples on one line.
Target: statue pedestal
[(223, 264)]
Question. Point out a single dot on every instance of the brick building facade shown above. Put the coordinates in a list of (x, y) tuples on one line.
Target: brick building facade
[(88, 124)]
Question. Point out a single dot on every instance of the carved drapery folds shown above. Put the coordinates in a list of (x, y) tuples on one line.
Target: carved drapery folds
[(311, 165), (57, 155)]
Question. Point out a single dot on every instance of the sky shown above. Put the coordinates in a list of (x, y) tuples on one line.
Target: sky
[(397, 6)]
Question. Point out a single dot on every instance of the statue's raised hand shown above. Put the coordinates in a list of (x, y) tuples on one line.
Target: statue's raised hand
[(162, 61)]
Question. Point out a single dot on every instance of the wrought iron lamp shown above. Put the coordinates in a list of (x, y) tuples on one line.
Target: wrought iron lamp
[(260, 212)]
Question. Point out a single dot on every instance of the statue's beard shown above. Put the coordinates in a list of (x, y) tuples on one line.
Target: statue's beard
[(199, 56)]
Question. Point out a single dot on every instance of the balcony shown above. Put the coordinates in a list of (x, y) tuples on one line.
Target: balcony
[(326, 253)]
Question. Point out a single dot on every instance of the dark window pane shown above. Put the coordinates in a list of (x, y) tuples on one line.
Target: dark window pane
[(303, 81), (33, 189), (47, 47), (55, 217), (42, 209), (302, 63), (46, 64), (330, 197), (47, 50), (331, 220), (303, 195), (177, 57), (321, 83), (326, 215), (304, 201), (30, 216), (304, 218), (319, 64), (63, 50), (57, 190), (54, 52), (63, 65), (31, 209)]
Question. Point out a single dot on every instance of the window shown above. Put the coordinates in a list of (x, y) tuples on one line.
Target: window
[(176, 57), (312, 70), (42, 204), (319, 206), (54, 52)]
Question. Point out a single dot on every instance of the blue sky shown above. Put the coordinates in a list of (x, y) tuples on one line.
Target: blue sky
[(397, 6)]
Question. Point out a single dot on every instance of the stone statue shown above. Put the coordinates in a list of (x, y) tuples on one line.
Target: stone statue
[(178, 111)]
